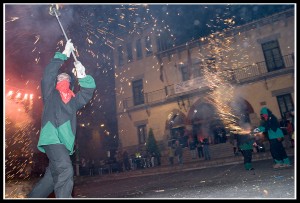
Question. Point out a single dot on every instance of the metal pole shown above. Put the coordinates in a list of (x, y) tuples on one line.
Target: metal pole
[(77, 158), (56, 15)]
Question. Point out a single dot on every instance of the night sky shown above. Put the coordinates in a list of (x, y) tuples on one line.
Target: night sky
[(32, 34)]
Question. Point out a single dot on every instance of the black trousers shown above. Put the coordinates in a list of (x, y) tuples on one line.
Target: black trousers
[(277, 150), (247, 155), (58, 176)]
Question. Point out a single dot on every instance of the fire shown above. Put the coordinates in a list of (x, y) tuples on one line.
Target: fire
[(57, 6)]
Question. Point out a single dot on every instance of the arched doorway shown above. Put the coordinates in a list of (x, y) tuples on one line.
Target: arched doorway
[(176, 126), (206, 121), (242, 109), (203, 116)]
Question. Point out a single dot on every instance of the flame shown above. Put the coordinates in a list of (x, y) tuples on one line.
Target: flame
[(59, 6)]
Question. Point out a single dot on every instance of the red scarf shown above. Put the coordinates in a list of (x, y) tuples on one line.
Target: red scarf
[(64, 89)]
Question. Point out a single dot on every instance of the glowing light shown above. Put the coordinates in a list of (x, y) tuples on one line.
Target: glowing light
[(10, 93), (18, 95), (25, 96), (12, 19)]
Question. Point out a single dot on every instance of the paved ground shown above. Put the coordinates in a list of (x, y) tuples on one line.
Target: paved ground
[(220, 178), (222, 182)]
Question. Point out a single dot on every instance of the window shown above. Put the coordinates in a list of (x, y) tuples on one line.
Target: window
[(184, 72), (139, 53), (120, 55), (129, 52), (148, 46), (272, 55), (211, 65), (138, 92), (163, 42), (196, 70), (141, 133), (285, 103)]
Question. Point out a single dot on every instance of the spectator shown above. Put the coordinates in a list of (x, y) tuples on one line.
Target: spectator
[(179, 152), (126, 160), (206, 151), (200, 149), (192, 146), (171, 155), (91, 167)]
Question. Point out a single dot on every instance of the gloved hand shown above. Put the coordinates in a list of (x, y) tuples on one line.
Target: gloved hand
[(80, 69), (256, 130), (68, 48)]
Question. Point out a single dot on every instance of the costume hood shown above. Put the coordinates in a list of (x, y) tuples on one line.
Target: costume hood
[(264, 110)]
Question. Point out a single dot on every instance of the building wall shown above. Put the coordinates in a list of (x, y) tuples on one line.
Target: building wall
[(231, 52), (260, 93)]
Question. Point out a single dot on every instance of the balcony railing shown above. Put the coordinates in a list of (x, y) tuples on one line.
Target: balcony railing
[(238, 76), (260, 68)]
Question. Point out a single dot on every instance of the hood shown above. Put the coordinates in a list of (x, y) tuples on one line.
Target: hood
[(264, 110)]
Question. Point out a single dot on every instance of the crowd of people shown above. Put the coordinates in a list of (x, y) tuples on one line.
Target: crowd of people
[(277, 135)]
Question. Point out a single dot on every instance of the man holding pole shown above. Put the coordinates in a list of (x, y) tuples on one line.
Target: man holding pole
[(57, 135)]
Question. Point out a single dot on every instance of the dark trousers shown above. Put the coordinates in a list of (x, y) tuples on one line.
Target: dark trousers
[(277, 150), (58, 175), (200, 152), (247, 155)]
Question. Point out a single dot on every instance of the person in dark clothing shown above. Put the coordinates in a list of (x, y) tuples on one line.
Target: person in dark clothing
[(200, 149), (58, 130), (245, 143), (91, 167), (271, 126), (179, 152), (192, 146), (206, 150), (126, 160)]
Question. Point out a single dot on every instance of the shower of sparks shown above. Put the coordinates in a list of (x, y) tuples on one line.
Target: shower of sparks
[(37, 39), (20, 137), (96, 31), (18, 149), (12, 19), (215, 72)]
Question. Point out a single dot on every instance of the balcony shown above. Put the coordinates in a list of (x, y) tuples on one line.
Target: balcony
[(244, 75), (260, 71)]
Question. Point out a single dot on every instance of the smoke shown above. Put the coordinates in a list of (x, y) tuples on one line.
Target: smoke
[(36, 20), (32, 36), (16, 113), (19, 137)]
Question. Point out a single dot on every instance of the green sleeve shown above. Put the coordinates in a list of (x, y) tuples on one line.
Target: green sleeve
[(61, 56), (87, 82), (261, 128)]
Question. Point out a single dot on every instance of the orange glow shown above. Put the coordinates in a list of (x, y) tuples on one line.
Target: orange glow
[(9, 94), (18, 95), (25, 96)]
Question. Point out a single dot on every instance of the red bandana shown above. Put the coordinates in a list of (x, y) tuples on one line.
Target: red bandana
[(265, 116), (65, 93)]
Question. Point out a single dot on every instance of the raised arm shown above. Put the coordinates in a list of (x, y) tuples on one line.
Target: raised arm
[(51, 70), (87, 86)]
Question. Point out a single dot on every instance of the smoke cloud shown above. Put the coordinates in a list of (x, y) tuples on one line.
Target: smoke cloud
[(16, 113)]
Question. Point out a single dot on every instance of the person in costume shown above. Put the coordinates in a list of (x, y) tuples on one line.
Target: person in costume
[(271, 126), (58, 130), (245, 143)]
